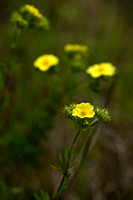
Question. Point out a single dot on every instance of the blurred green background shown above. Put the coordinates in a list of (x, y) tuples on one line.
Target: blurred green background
[(33, 129)]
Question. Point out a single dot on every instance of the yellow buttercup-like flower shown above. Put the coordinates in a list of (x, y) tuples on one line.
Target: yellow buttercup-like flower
[(33, 11), (97, 70), (83, 110), (46, 61), (75, 47)]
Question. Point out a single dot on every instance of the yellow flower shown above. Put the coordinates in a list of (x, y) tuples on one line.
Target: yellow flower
[(97, 70), (75, 47), (33, 11), (83, 110), (46, 61)]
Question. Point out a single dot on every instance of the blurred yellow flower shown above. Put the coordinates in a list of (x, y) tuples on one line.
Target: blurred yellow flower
[(75, 47), (97, 70), (46, 61), (83, 110), (33, 11)]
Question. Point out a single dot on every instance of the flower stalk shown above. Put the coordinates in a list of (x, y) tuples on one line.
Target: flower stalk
[(66, 172)]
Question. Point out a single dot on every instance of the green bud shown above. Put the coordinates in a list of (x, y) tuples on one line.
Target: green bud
[(68, 110), (43, 24), (17, 20), (102, 115)]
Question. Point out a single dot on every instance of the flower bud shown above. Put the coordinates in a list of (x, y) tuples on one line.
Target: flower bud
[(102, 115), (17, 20)]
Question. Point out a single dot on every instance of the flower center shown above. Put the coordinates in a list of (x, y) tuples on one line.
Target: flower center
[(100, 69), (83, 112), (46, 62)]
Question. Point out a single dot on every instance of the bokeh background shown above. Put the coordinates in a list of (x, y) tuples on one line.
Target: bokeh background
[(33, 129)]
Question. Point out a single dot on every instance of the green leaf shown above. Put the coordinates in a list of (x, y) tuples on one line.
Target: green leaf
[(66, 154), (56, 168), (44, 196), (73, 155), (61, 161), (55, 194), (73, 164)]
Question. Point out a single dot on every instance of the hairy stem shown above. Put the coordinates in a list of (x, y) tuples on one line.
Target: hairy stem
[(68, 163)]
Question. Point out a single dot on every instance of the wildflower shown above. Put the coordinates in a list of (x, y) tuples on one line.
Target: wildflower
[(33, 11), (102, 69), (85, 115), (83, 110), (75, 47), (46, 61)]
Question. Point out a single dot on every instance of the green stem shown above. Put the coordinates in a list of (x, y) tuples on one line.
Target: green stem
[(83, 152), (68, 163), (107, 100), (93, 122), (14, 36)]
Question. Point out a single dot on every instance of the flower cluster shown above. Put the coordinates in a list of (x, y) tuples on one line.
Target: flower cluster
[(29, 17), (46, 61), (102, 69), (33, 11), (86, 115)]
